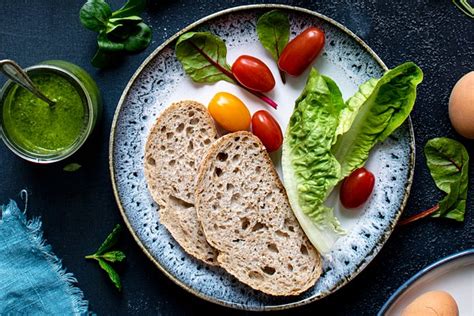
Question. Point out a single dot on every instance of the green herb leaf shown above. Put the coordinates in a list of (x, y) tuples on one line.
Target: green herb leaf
[(139, 39), (114, 256), (112, 26), (119, 31), (273, 29), (448, 162), (465, 7), (72, 167), (113, 275), (106, 45), (129, 21), (131, 7), (110, 241), (203, 56), (94, 15)]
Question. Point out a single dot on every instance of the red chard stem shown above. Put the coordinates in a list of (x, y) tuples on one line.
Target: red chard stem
[(419, 215)]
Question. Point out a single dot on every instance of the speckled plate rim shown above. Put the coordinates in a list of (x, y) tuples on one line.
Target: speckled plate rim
[(384, 237), (393, 298)]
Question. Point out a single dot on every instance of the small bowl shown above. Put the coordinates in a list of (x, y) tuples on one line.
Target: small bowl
[(91, 100)]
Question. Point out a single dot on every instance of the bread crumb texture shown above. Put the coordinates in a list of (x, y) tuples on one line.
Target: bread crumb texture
[(246, 216), (175, 147)]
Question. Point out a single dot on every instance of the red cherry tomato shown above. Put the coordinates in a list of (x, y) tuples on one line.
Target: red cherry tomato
[(300, 52), (252, 73), (265, 127), (356, 188)]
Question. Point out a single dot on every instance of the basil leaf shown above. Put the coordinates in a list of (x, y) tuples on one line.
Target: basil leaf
[(203, 56), (273, 29), (94, 15), (448, 162), (131, 7), (72, 167), (114, 256), (138, 40), (110, 241), (113, 275)]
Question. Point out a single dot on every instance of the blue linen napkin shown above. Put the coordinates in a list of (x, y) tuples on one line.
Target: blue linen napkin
[(32, 279)]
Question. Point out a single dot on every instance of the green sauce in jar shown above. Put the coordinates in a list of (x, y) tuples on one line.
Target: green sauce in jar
[(38, 127)]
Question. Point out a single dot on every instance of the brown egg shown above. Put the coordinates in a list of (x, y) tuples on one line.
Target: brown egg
[(432, 303), (461, 106)]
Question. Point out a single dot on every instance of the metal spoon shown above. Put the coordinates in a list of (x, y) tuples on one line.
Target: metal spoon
[(14, 72)]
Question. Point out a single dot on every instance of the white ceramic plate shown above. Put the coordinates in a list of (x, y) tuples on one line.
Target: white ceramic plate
[(453, 274), (160, 80)]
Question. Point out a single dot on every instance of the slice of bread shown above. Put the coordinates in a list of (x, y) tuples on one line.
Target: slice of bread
[(245, 213), (176, 144)]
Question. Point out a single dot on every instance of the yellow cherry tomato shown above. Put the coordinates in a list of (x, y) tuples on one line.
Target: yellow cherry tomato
[(229, 112)]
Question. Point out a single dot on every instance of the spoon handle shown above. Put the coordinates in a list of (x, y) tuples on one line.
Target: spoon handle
[(14, 72)]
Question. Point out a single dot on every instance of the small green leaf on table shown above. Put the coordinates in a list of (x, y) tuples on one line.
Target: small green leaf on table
[(94, 14), (103, 254), (111, 240), (448, 162), (72, 167), (119, 31), (113, 275), (132, 7)]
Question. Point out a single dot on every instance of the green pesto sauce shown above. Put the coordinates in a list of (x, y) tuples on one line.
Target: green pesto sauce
[(37, 127)]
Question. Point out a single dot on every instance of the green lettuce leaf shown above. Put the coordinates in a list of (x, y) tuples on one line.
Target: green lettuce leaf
[(353, 104), (310, 170), (314, 160), (448, 162), (383, 111)]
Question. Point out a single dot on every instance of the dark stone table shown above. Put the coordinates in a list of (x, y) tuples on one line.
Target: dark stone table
[(78, 209)]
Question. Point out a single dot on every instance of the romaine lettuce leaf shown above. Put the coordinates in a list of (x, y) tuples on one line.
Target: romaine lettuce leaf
[(353, 104), (314, 160), (310, 170), (382, 112)]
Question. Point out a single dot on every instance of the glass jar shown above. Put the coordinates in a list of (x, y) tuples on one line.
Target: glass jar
[(39, 133)]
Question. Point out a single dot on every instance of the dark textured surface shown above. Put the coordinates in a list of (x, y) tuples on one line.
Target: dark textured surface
[(78, 209)]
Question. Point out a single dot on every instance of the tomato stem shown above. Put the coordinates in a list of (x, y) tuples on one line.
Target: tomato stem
[(419, 215), (282, 75), (231, 76)]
